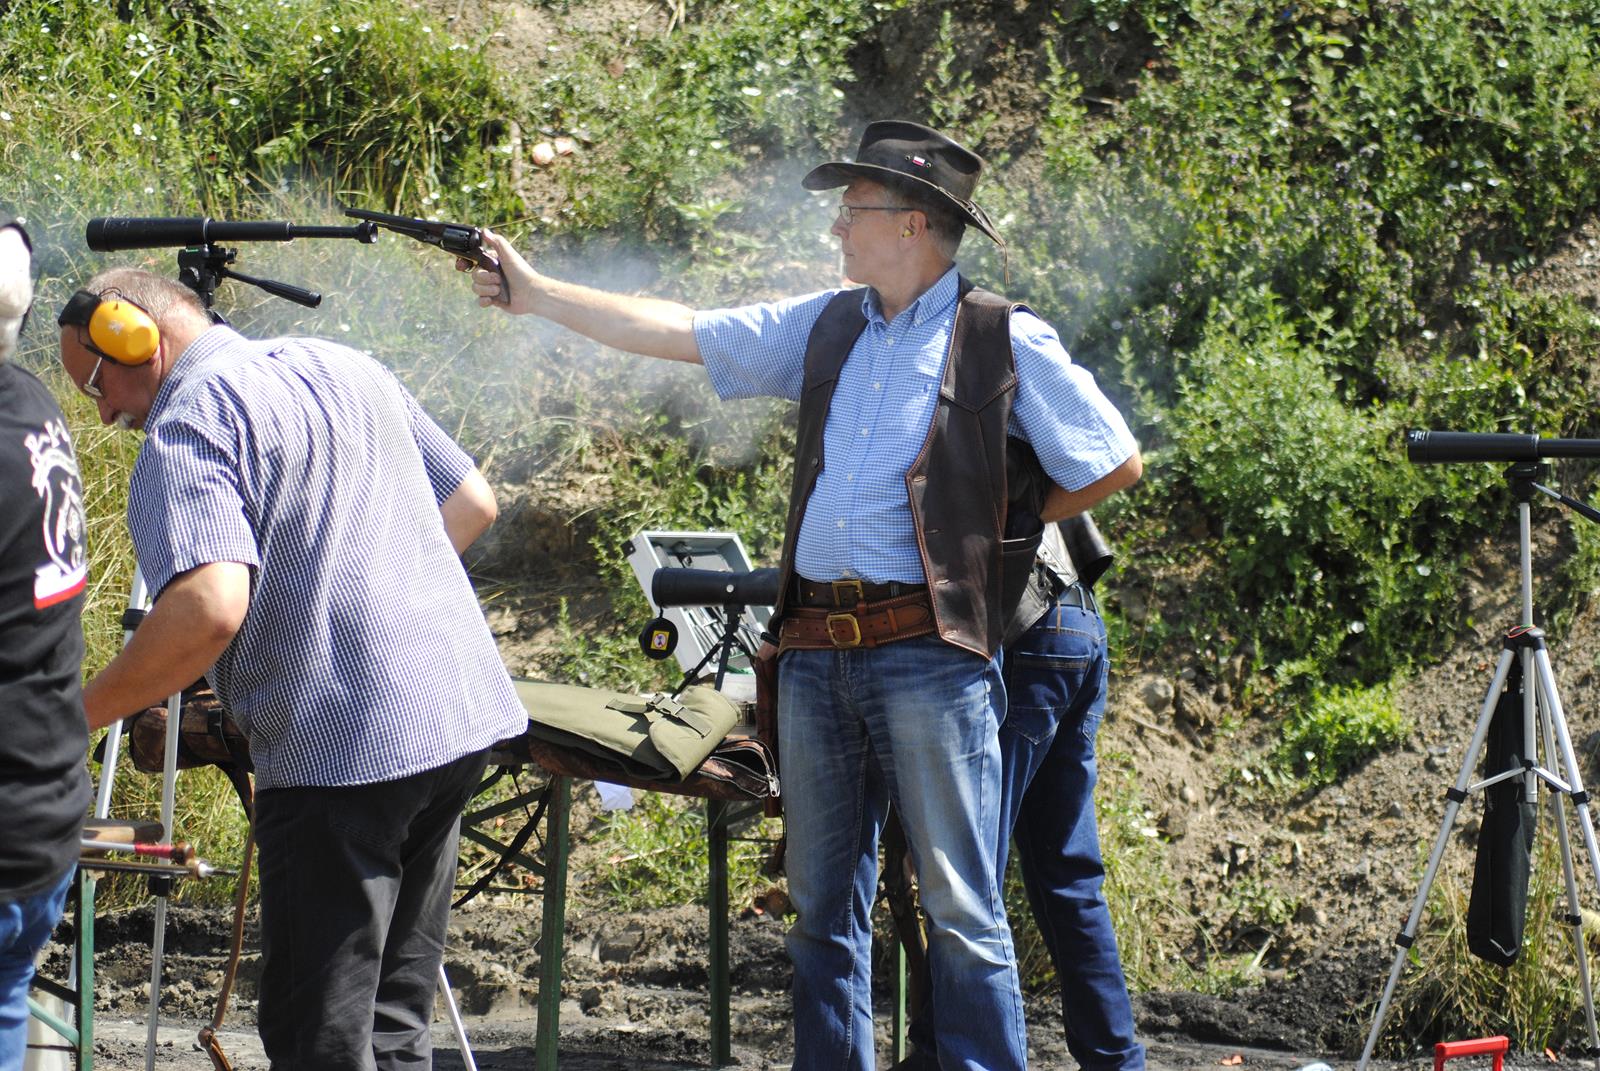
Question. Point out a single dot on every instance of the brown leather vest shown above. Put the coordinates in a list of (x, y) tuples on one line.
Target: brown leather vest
[(957, 484)]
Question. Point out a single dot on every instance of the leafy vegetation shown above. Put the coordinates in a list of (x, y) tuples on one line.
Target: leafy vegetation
[(1326, 736), (1295, 241), (658, 853), (1279, 235)]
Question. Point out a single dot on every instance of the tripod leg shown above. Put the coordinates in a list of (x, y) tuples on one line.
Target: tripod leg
[(1554, 724), (1574, 917), (1454, 798)]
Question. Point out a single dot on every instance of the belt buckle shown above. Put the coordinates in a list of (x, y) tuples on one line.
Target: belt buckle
[(841, 586), (852, 638)]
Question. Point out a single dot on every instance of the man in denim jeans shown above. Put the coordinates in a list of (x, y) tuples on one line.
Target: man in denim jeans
[(892, 576), (1055, 676), (1055, 681)]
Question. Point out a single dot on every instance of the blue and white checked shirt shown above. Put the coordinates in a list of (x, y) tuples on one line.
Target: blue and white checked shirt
[(858, 520), (364, 656)]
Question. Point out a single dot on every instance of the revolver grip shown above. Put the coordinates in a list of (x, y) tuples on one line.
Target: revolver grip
[(489, 262)]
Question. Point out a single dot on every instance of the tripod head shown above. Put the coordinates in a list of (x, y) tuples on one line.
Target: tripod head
[(1522, 477), (1526, 454)]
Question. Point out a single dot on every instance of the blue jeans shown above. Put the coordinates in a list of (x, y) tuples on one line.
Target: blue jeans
[(915, 723), (25, 926), (1055, 677)]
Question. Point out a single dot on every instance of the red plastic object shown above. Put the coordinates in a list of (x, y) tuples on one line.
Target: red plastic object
[(1449, 1050)]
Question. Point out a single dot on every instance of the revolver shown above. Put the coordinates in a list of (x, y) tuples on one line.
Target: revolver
[(458, 238)]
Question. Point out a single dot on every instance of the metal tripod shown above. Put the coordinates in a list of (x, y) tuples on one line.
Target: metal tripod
[(1543, 726)]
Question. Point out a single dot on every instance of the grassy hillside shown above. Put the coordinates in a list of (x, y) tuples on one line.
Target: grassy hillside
[(1279, 235)]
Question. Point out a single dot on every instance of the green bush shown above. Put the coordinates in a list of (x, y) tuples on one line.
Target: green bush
[(212, 103), (1311, 508), (1329, 734), (1338, 185), (673, 121)]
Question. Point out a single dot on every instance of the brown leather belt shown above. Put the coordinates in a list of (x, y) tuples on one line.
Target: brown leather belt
[(846, 594), (869, 624)]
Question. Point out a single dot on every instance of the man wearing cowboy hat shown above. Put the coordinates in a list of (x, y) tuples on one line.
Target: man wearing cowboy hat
[(893, 565)]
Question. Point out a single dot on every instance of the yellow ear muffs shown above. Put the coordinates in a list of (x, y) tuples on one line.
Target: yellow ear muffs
[(118, 328)]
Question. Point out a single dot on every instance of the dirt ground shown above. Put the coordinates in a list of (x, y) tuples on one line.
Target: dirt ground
[(633, 997)]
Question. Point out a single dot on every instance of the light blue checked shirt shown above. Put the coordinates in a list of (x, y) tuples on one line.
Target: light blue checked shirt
[(858, 520), (364, 656)]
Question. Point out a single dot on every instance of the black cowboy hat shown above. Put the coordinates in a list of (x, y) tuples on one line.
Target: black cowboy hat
[(899, 153)]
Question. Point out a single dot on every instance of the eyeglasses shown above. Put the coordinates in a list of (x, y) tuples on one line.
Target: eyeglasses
[(847, 213), (91, 386)]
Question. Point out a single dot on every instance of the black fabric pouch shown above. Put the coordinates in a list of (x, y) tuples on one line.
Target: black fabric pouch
[(1498, 911)]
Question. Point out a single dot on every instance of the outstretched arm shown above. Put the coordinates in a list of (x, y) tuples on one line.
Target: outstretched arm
[(1060, 503), (645, 325)]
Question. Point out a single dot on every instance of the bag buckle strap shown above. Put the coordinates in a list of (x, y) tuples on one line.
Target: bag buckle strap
[(844, 630), (666, 705), (840, 589), (689, 717), (662, 705)]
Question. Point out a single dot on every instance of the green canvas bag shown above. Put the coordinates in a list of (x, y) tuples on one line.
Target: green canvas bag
[(653, 736)]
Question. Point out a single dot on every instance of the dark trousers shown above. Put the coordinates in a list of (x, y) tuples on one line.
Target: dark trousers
[(1056, 687), (355, 900)]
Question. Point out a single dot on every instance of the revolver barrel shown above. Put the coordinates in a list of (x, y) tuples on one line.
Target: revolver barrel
[(458, 239)]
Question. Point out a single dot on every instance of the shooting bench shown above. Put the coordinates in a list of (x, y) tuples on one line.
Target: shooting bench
[(208, 736), (727, 807)]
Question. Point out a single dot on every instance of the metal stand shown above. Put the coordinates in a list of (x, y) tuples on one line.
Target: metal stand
[(456, 1022), (552, 937), (1544, 725), (721, 816), (138, 604)]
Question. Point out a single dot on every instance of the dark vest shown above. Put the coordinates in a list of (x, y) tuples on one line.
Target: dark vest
[(957, 485)]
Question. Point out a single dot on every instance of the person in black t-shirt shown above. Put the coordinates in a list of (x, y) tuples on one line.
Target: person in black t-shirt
[(44, 786)]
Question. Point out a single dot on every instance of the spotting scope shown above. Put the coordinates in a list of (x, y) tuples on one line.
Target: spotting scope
[(714, 587), (1428, 447)]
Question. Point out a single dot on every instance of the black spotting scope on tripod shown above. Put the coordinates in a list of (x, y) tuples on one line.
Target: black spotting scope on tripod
[(710, 588), (1544, 725), (202, 261)]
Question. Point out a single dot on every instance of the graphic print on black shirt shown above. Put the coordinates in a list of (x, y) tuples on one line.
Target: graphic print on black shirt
[(56, 479), (44, 784)]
